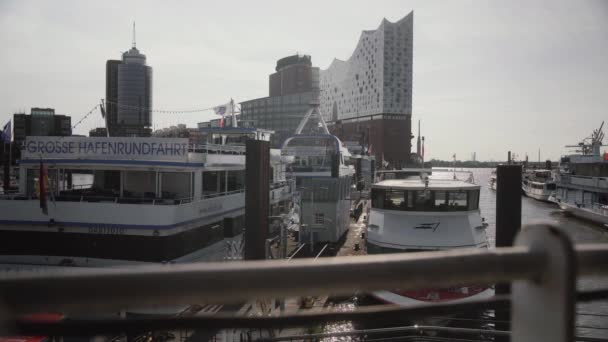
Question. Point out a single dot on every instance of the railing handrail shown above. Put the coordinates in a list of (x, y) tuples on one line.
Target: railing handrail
[(543, 267), (206, 282)]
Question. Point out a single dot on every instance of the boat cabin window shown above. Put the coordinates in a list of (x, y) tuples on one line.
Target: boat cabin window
[(176, 185), (551, 186), (236, 180), (425, 200), (211, 183), (139, 184)]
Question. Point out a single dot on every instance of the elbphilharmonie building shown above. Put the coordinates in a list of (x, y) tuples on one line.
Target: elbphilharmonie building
[(368, 98)]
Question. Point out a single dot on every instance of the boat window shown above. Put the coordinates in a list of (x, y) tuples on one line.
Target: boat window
[(175, 185), (441, 198), (395, 199), (551, 186), (378, 198), (457, 200), (222, 175), (236, 180), (139, 184), (474, 200), (211, 183), (422, 200)]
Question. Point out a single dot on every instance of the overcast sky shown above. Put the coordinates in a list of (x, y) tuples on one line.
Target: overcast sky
[(489, 76)]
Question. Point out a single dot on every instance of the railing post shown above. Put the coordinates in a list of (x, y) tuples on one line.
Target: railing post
[(543, 308)]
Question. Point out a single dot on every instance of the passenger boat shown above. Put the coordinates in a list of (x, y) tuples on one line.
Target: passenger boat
[(538, 184), (322, 179), (151, 200), (492, 183), (420, 210), (582, 181)]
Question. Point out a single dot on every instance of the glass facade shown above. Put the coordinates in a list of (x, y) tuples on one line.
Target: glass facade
[(134, 95), (281, 114)]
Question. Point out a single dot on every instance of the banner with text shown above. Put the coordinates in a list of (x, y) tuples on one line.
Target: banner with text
[(169, 149)]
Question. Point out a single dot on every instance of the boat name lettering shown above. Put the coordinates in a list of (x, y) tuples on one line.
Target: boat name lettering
[(117, 148), (107, 230), (430, 226)]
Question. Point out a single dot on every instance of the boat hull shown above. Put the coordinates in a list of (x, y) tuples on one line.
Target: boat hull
[(543, 197), (439, 296), (584, 213)]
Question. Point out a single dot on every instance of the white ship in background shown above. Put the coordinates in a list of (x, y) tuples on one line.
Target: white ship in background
[(538, 184), (322, 178), (582, 181)]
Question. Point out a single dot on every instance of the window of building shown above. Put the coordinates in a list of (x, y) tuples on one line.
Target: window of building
[(319, 218)]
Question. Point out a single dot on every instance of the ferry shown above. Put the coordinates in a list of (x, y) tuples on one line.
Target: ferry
[(417, 210), (151, 200), (582, 181), (323, 179), (538, 184)]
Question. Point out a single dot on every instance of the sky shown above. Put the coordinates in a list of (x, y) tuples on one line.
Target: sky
[(489, 76)]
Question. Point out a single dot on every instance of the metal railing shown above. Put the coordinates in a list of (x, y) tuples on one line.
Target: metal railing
[(217, 149), (542, 266)]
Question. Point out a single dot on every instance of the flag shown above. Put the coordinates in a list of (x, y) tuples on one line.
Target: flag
[(42, 183), (223, 110), (6, 133)]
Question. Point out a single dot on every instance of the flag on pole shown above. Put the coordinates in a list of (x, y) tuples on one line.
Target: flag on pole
[(223, 110), (7, 133)]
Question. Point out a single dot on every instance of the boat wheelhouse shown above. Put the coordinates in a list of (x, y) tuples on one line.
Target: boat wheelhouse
[(418, 210)]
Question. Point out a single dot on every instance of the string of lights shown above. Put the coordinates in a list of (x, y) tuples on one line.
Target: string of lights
[(161, 110), (85, 117)]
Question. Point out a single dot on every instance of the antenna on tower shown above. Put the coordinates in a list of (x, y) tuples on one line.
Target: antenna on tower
[(134, 36)]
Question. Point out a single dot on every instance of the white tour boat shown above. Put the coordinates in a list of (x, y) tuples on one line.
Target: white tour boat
[(538, 184), (422, 211), (152, 200), (492, 183), (582, 181)]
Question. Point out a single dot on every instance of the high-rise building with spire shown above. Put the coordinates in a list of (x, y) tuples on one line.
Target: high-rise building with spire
[(129, 94)]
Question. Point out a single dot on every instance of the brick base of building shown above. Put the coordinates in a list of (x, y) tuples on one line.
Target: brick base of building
[(390, 136)]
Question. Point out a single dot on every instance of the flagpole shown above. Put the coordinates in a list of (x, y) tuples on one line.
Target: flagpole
[(232, 112)]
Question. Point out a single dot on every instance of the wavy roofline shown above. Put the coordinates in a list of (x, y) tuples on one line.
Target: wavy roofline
[(366, 32)]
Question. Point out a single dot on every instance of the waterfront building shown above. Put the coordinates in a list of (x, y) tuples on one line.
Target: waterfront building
[(194, 135), (129, 95), (98, 132), (292, 88), (369, 96), (41, 122)]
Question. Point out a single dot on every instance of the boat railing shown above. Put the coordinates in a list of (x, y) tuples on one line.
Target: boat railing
[(543, 268), (600, 208), (217, 149)]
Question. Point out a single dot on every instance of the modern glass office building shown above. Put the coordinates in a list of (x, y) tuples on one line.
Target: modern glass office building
[(292, 88), (129, 95)]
